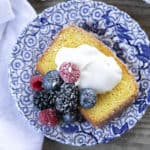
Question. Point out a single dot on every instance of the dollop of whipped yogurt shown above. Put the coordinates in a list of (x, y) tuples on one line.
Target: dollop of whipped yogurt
[(97, 71)]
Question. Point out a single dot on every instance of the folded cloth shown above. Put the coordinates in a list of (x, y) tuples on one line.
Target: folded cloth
[(15, 132), (5, 14)]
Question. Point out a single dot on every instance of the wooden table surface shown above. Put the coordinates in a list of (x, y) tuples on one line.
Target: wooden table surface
[(139, 137)]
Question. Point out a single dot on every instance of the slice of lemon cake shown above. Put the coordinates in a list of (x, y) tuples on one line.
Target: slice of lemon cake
[(109, 104)]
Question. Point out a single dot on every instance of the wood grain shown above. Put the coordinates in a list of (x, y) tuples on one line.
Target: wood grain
[(139, 137)]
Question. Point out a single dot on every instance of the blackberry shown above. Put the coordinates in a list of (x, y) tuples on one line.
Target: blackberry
[(67, 100), (52, 80), (44, 100)]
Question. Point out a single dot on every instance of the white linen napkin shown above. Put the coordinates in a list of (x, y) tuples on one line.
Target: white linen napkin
[(147, 1), (15, 132)]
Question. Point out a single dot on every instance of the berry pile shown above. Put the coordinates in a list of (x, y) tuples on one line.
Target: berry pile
[(58, 98)]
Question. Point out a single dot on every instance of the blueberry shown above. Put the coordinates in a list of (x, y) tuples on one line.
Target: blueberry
[(69, 117), (52, 80), (87, 98)]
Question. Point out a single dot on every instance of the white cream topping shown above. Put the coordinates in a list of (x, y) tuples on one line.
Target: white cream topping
[(97, 71)]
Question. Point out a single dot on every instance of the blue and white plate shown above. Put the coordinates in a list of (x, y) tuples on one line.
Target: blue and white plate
[(116, 29)]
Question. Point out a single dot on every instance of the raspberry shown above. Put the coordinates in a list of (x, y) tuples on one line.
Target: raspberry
[(69, 72), (36, 83), (48, 117)]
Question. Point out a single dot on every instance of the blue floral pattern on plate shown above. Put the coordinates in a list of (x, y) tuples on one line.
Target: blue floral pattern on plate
[(117, 30)]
